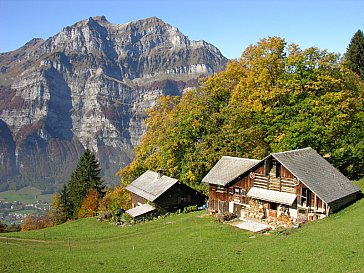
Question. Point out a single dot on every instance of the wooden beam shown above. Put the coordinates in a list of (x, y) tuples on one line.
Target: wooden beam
[(314, 202)]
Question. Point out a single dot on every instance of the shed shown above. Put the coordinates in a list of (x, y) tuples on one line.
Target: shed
[(163, 192), (140, 211)]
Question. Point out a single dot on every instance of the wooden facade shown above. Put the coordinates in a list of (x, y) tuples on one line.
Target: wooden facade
[(272, 176), (180, 196), (163, 193), (176, 197)]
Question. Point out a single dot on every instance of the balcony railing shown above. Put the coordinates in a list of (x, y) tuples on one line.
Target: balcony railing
[(269, 182)]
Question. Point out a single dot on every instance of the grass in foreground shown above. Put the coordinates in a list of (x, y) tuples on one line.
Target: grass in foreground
[(188, 243)]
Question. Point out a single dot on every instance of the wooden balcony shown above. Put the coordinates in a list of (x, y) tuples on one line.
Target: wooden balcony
[(268, 182)]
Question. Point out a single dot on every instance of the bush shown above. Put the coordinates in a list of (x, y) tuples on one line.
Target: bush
[(115, 199), (9, 228), (105, 215), (32, 222), (190, 209), (226, 216), (127, 218)]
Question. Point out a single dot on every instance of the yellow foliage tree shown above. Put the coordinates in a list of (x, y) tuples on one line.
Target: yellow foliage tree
[(274, 98), (116, 199)]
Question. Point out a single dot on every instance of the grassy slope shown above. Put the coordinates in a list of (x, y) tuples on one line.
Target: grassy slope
[(25, 195), (189, 243)]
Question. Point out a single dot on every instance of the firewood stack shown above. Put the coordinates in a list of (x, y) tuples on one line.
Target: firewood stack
[(284, 220), (255, 210)]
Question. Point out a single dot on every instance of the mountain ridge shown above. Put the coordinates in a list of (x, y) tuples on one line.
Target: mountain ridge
[(89, 86)]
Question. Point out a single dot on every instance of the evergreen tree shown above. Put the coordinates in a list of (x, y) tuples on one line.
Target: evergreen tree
[(67, 206), (85, 177), (355, 54)]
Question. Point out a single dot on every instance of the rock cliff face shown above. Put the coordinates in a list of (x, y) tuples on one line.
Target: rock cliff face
[(89, 86)]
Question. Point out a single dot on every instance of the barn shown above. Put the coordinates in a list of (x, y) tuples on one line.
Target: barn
[(298, 185), (153, 192)]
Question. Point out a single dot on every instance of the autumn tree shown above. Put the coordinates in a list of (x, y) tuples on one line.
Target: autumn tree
[(57, 212), (85, 177), (3, 227), (354, 55), (115, 199), (276, 97), (89, 205), (33, 222)]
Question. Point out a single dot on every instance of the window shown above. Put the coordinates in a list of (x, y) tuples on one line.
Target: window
[(238, 191), (306, 197), (278, 169), (267, 166), (272, 167), (273, 206)]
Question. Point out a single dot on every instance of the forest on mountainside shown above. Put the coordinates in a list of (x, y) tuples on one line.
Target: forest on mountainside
[(275, 97)]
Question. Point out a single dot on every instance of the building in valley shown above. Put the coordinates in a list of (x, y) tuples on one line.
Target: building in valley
[(299, 185), (154, 192)]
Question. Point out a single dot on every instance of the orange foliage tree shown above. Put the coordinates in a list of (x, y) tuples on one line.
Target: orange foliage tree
[(32, 222), (89, 205)]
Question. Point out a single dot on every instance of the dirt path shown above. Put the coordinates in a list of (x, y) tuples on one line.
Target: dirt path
[(29, 240)]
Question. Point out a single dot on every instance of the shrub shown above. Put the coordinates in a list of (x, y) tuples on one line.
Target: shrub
[(226, 216), (190, 209), (115, 199), (32, 222)]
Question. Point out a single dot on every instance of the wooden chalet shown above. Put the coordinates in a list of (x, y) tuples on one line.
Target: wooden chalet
[(299, 185), (154, 192)]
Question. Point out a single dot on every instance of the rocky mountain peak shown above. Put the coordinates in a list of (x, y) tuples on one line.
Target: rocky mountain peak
[(89, 86), (100, 19)]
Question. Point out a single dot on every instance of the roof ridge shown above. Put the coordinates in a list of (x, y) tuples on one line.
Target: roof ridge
[(292, 151), (237, 157)]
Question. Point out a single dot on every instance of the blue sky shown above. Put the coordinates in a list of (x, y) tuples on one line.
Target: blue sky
[(231, 25)]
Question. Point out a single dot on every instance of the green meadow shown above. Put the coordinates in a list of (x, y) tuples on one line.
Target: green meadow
[(190, 242), (27, 195)]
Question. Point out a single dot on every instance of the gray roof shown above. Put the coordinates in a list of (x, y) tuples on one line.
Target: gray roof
[(317, 174), (227, 169), (150, 186), (272, 196), (140, 210)]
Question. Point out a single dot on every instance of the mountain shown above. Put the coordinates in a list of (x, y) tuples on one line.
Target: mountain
[(89, 87)]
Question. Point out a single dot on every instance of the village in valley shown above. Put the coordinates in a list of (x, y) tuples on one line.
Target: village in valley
[(16, 205)]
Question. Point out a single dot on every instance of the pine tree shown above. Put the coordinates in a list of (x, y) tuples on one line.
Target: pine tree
[(68, 209), (354, 55), (85, 177)]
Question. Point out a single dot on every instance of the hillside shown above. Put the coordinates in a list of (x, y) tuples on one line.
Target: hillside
[(188, 243), (89, 86)]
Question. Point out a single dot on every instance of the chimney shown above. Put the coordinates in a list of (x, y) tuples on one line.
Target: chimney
[(160, 173)]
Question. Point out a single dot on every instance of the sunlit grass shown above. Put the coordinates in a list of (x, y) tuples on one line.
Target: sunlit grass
[(189, 243)]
